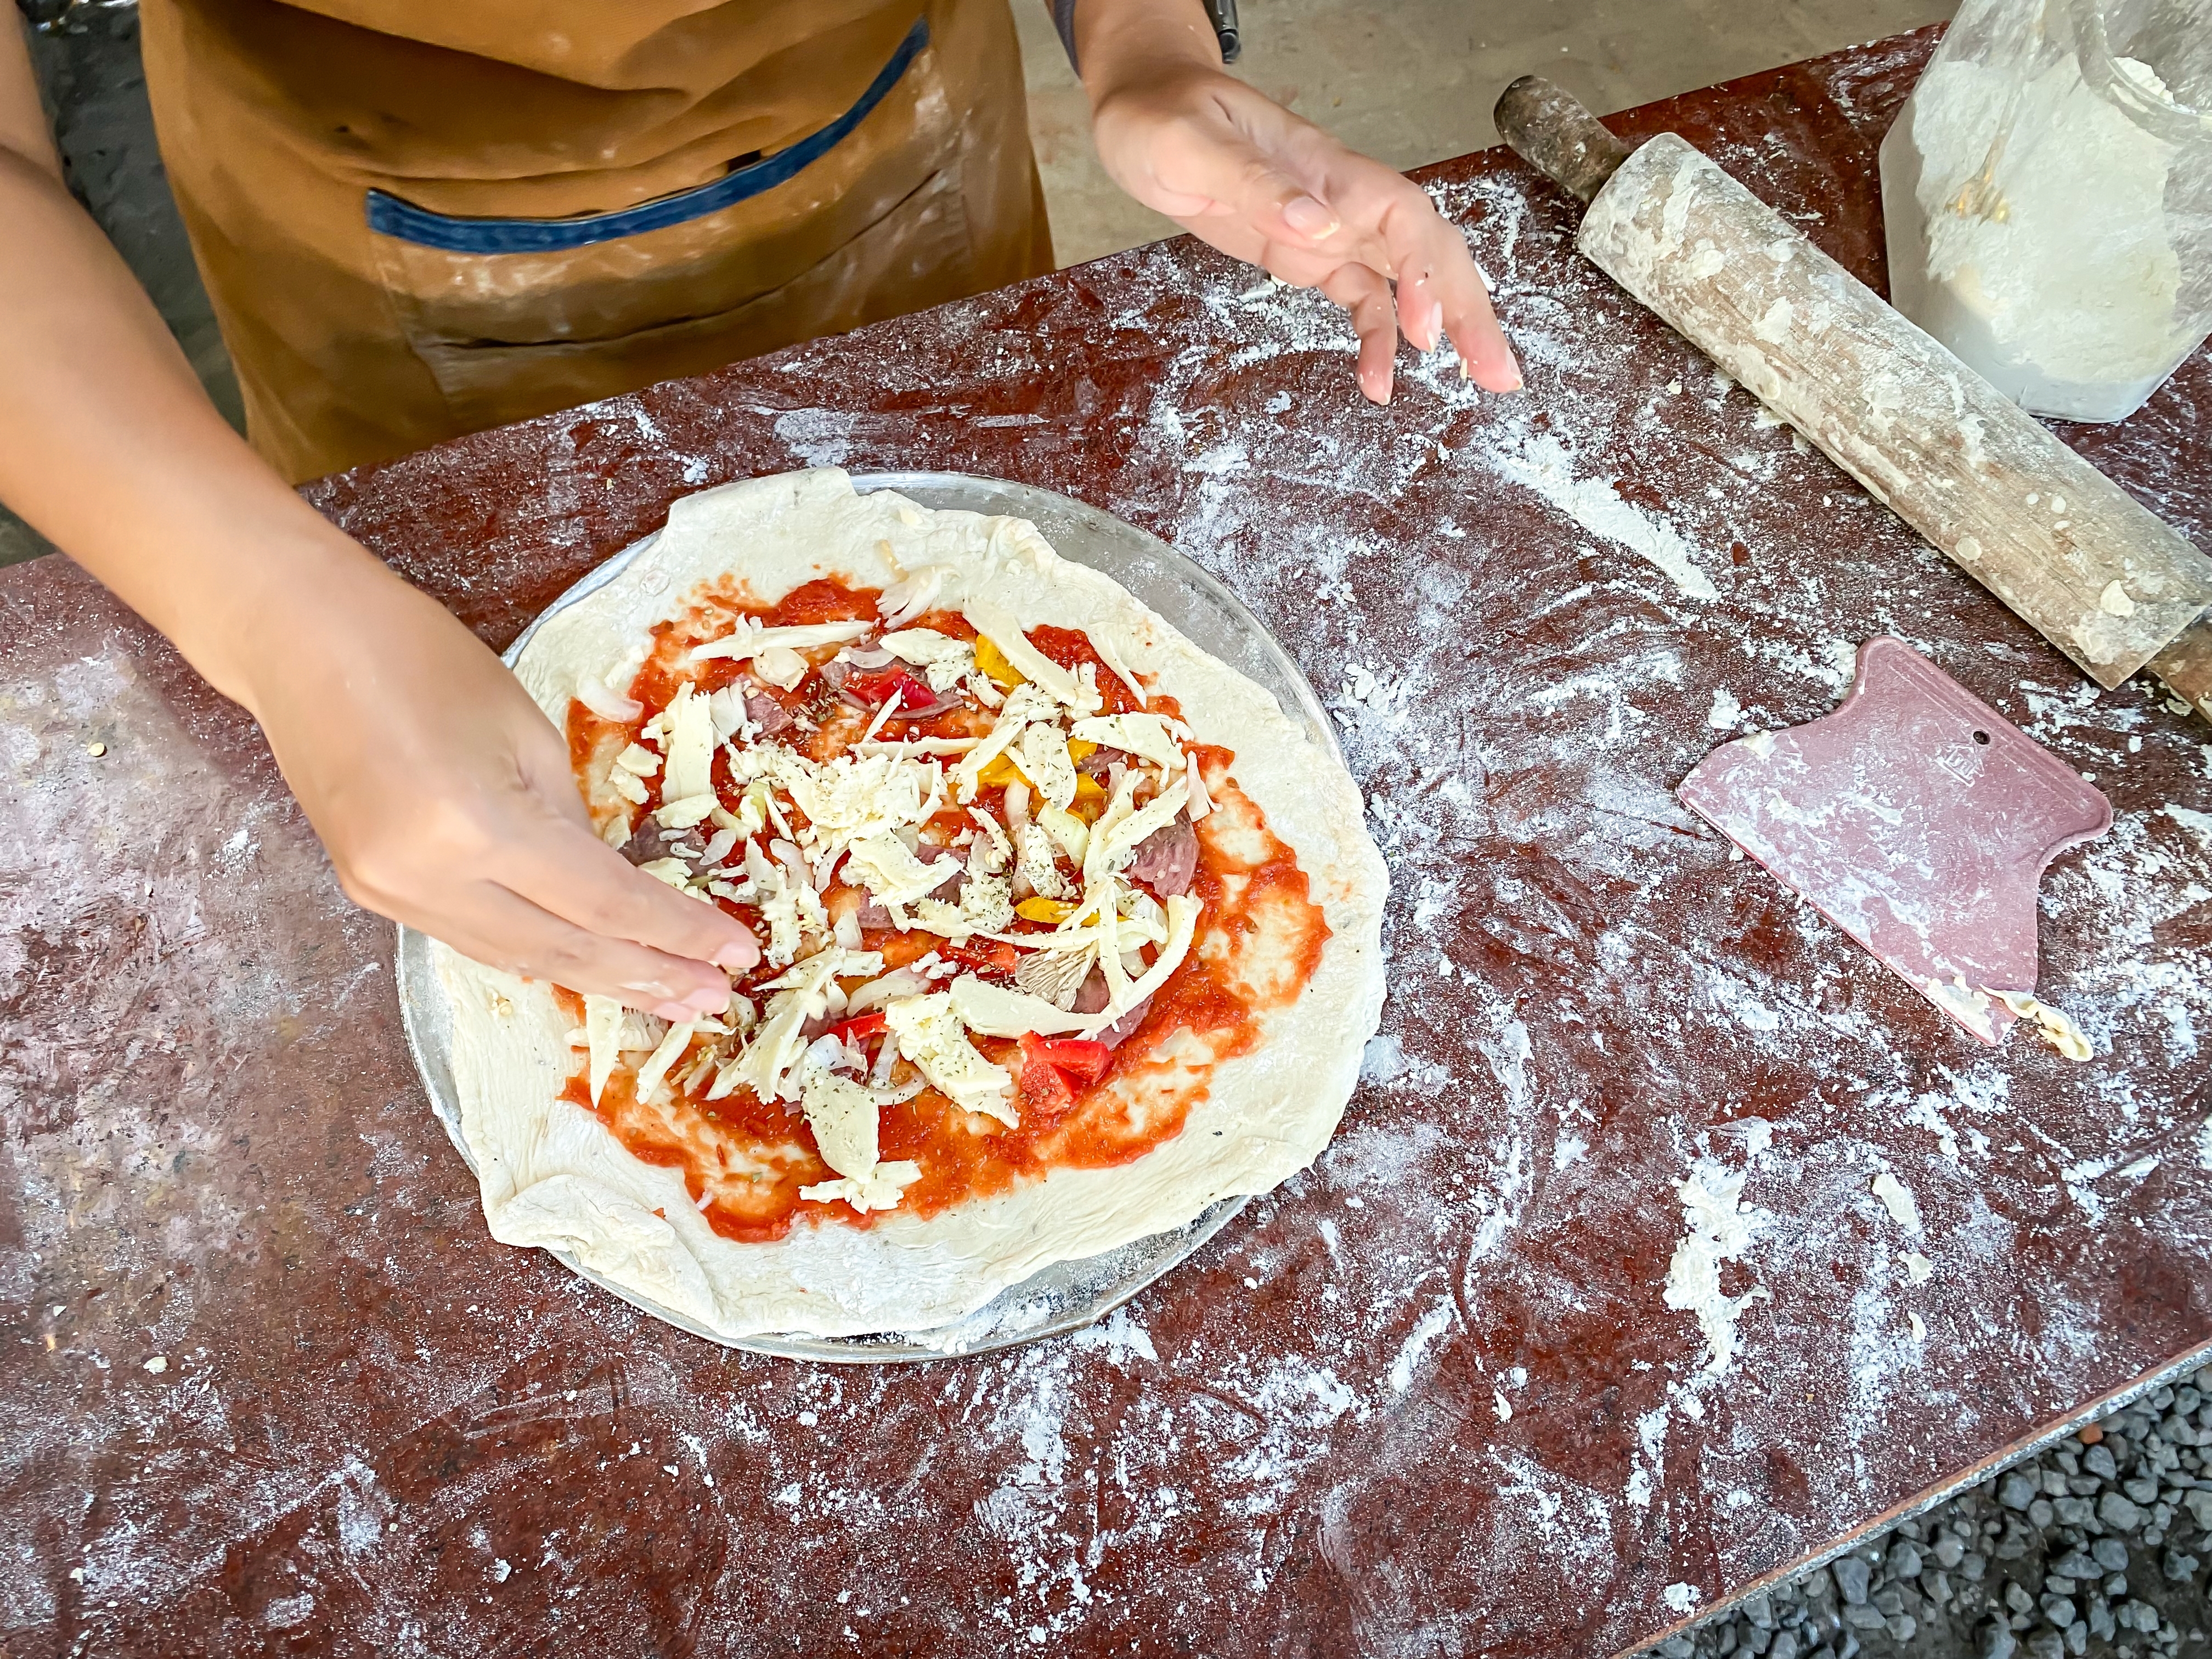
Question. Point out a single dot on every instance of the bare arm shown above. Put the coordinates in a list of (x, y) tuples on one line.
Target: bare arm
[(442, 792), (1188, 139)]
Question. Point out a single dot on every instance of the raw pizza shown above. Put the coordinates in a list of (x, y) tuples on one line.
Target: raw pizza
[(1068, 933)]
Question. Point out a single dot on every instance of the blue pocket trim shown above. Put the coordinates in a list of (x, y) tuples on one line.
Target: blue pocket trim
[(390, 216)]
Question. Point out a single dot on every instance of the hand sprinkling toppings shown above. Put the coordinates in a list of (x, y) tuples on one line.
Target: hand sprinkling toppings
[(858, 788)]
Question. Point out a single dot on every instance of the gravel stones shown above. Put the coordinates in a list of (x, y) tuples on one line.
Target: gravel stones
[(2119, 1512), (1853, 1576), (2036, 1563)]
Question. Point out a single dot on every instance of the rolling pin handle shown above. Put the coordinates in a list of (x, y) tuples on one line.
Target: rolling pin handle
[(1548, 128)]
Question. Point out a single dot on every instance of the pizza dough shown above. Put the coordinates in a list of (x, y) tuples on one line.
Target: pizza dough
[(553, 1176)]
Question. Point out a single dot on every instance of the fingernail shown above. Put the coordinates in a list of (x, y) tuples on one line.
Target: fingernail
[(1436, 326), (1309, 218), (735, 956)]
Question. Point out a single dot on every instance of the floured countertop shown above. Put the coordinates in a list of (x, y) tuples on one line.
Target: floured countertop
[(1669, 1240)]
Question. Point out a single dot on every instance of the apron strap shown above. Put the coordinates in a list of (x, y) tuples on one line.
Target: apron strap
[(388, 215)]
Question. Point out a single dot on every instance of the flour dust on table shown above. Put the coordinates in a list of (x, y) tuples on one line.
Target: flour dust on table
[(1068, 932)]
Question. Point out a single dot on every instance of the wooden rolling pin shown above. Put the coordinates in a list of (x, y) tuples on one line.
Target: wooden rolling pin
[(2098, 575)]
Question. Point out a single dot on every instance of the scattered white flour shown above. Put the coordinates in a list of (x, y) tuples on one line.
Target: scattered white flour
[(2199, 824), (1432, 1325), (1545, 466), (2050, 262), (1897, 1198), (1918, 1269), (1682, 1597), (1717, 1229), (1727, 714)]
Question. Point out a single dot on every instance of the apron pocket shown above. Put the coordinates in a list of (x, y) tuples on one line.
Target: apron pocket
[(872, 226), (918, 254)]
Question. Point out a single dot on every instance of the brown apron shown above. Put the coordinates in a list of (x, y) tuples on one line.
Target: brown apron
[(418, 218)]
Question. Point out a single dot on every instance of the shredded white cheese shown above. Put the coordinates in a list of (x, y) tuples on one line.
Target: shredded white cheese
[(690, 748), (670, 1050), (1145, 736), (602, 1022), (766, 1065), (1111, 850), (885, 866), (930, 1034), (844, 1118), (750, 639), (945, 660), (1044, 759), (1024, 704), (997, 624)]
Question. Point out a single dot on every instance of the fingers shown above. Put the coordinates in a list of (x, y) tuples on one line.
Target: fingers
[(1441, 293), (503, 930), (1366, 296), (575, 876)]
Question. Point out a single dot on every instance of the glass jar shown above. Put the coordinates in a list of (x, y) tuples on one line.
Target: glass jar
[(2047, 191)]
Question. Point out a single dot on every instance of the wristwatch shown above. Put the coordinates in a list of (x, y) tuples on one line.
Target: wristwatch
[(1222, 14)]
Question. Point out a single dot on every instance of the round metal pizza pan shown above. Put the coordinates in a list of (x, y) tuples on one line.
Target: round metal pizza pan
[(1068, 1295)]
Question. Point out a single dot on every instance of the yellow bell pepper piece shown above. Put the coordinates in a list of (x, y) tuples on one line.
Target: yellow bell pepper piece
[(1080, 750), (992, 661), (1055, 911), (1001, 772)]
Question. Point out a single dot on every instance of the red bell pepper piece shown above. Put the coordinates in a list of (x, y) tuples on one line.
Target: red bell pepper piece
[(877, 689), (860, 1025), (1080, 1058), (1045, 1094)]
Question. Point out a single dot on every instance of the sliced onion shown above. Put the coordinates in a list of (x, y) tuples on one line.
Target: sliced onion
[(594, 694), (929, 711), (868, 658)]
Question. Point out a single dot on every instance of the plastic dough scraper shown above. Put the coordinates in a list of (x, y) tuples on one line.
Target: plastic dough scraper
[(1919, 821)]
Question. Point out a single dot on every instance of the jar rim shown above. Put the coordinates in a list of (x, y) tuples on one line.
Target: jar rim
[(2165, 117)]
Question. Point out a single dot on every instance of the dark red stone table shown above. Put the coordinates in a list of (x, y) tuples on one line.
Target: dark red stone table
[(272, 1388)]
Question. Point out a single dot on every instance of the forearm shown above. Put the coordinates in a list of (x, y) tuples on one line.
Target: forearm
[(1125, 43), (111, 449)]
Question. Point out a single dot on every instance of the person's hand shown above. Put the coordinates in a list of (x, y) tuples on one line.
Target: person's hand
[(446, 800), (1240, 171)]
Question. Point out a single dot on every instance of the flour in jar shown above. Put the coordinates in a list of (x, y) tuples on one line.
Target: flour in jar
[(2044, 255)]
